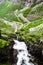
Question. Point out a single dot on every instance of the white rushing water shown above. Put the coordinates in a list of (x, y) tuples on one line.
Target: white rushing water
[(23, 54)]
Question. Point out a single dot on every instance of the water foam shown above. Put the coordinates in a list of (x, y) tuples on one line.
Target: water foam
[(23, 54)]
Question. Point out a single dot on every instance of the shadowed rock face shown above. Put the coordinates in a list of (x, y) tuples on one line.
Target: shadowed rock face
[(4, 55), (13, 56), (8, 54), (37, 51)]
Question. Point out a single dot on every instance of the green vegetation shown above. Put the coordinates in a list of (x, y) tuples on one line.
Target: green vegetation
[(8, 8), (8, 13), (12, 17), (3, 43), (26, 12), (5, 4), (5, 27), (34, 14), (33, 24)]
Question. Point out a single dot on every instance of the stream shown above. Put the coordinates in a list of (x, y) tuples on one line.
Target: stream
[(23, 55)]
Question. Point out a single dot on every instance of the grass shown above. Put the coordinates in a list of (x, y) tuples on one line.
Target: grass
[(5, 27), (3, 5), (10, 8), (8, 13), (33, 24), (26, 12), (38, 33), (36, 12), (11, 17), (31, 37), (37, 8)]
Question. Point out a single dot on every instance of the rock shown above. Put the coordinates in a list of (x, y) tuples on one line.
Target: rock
[(13, 56), (8, 54), (38, 1), (32, 59), (34, 50), (4, 55)]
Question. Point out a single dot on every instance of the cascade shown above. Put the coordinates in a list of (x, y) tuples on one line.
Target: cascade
[(23, 55)]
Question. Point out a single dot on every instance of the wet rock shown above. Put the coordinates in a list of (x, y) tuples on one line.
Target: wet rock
[(23, 62), (32, 59), (13, 56), (35, 63), (13, 64), (36, 51), (4, 55), (8, 54)]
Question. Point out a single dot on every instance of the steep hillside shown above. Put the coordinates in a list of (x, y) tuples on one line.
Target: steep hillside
[(8, 7), (24, 23), (36, 12), (29, 17)]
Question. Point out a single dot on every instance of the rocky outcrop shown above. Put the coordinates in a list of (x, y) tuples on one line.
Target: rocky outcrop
[(36, 50), (8, 55), (13, 56), (4, 55)]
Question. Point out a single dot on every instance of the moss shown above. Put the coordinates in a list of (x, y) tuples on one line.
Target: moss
[(3, 43), (5, 64)]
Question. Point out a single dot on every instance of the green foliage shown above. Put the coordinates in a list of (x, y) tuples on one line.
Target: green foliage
[(9, 8), (26, 12), (36, 12), (3, 43), (40, 8), (6, 27), (3, 5), (37, 8), (7, 11), (33, 24), (13, 17)]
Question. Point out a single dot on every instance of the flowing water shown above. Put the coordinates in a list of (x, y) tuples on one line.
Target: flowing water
[(23, 55)]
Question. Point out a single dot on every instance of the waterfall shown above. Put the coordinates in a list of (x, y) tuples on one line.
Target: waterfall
[(23, 55)]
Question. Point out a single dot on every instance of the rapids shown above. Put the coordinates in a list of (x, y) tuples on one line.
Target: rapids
[(23, 55)]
